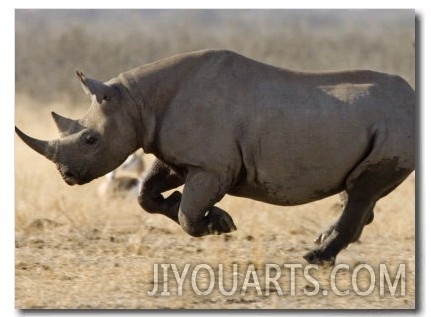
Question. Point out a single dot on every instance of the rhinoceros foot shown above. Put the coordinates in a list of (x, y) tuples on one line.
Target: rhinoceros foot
[(319, 257), (219, 221)]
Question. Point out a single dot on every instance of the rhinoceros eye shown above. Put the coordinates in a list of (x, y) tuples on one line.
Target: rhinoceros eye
[(90, 140)]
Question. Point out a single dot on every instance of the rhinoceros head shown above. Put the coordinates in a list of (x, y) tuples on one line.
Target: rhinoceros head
[(95, 144)]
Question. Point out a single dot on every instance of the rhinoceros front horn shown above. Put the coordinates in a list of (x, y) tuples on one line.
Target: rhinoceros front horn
[(46, 148)]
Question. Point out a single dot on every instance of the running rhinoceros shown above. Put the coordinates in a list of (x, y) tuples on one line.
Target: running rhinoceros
[(221, 123)]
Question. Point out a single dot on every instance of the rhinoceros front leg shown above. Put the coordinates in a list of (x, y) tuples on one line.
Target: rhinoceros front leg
[(158, 179), (197, 214)]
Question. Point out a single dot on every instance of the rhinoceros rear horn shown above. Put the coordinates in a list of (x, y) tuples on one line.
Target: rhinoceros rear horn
[(94, 87), (65, 125), (46, 148)]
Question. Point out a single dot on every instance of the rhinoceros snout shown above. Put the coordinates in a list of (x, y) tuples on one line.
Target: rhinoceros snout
[(68, 175), (74, 176)]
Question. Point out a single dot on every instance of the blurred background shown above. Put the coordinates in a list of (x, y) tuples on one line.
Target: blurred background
[(51, 44)]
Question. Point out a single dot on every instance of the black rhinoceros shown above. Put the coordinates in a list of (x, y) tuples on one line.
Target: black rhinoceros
[(221, 123)]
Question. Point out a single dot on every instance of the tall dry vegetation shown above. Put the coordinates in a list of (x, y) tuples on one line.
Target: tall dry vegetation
[(51, 44)]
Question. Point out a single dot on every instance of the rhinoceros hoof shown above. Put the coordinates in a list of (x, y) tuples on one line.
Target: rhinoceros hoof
[(320, 258), (219, 221)]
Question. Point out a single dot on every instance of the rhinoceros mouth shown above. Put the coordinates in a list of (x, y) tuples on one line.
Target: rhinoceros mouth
[(68, 178), (73, 178), (83, 180), (70, 181)]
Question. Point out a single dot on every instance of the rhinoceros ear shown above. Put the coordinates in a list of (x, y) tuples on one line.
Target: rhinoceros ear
[(94, 87)]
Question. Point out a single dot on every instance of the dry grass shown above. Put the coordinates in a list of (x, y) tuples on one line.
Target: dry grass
[(74, 250)]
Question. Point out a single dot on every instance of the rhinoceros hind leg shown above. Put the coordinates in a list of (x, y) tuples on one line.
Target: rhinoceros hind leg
[(380, 172), (357, 213), (325, 234), (345, 229), (369, 220)]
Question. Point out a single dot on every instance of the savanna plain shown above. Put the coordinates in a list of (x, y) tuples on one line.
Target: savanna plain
[(75, 249)]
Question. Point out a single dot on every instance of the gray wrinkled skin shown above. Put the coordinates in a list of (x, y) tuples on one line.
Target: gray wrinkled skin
[(222, 124)]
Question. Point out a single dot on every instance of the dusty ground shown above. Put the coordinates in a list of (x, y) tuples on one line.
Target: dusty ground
[(76, 250)]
